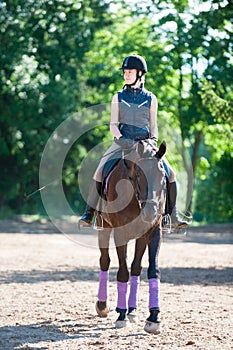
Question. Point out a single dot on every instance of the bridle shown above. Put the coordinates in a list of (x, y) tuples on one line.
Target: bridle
[(141, 202)]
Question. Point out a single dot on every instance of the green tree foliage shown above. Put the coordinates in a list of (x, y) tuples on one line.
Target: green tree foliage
[(200, 39), (215, 164), (59, 57), (216, 167), (42, 47), (221, 109)]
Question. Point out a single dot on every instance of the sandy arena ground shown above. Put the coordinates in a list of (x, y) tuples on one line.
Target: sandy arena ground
[(49, 282)]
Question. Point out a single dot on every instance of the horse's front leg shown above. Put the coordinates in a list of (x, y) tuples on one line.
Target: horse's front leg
[(153, 273), (122, 285), (136, 267), (101, 304)]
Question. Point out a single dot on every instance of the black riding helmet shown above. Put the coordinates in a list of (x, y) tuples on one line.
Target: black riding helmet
[(135, 62)]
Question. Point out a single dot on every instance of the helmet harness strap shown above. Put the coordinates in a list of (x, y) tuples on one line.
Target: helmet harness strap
[(138, 76)]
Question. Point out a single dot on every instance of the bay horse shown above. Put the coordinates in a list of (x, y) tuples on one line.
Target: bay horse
[(134, 200)]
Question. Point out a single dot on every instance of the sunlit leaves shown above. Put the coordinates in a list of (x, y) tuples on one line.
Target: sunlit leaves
[(221, 109)]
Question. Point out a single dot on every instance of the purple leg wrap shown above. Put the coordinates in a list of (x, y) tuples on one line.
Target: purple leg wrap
[(121, 297), (154, 293), (103, 286), (133, 295)]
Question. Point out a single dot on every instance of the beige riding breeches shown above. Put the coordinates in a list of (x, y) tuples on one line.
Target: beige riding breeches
[(109, 153), (98, 173)]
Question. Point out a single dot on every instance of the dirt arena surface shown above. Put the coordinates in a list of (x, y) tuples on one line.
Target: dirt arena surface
[(49, 282)]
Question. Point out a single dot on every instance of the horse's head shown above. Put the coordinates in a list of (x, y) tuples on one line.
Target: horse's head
[(136, 188), (151, 182)]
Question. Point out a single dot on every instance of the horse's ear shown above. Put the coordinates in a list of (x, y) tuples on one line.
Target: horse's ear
[(162, 150)]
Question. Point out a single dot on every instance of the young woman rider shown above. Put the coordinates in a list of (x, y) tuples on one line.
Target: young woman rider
[(133, 117)]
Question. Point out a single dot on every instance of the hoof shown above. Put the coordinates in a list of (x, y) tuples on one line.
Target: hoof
[(101, 308), (122, 324), (122, 320), (152, 327), (132, 315)]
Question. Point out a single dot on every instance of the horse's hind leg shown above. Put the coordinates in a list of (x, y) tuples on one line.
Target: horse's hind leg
[(136, 267), (101, 304)]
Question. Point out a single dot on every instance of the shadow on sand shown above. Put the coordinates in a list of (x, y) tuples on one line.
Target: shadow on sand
[(175, 275), (21, 336)]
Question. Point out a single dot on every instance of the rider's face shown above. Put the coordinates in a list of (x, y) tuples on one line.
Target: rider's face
[(130, 75)]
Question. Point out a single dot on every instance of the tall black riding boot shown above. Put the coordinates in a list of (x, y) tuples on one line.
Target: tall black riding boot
[(176, 221), (93, 197)]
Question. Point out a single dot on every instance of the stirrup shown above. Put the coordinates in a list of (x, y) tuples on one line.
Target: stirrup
[(101, 226), (167, 224)]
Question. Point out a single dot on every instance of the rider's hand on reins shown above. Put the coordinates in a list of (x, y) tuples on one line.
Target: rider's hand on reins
[(125, 143)]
